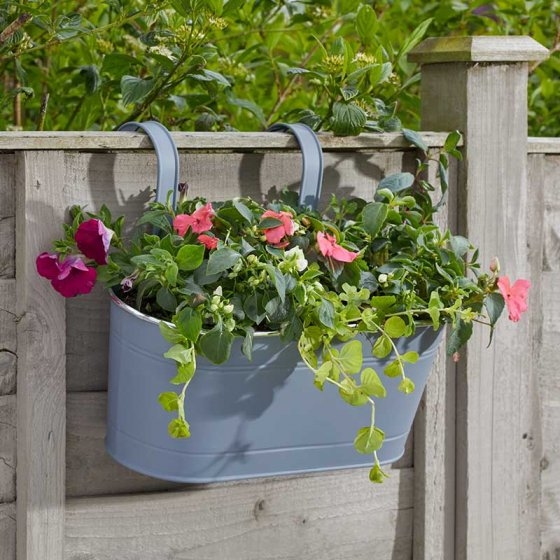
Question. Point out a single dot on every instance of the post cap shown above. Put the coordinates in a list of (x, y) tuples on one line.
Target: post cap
[(480, 48)]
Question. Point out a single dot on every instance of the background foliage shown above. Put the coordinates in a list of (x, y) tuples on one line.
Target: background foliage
[(244, 64)]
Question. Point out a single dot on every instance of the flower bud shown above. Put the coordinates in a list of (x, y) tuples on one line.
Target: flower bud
[(495, 265)]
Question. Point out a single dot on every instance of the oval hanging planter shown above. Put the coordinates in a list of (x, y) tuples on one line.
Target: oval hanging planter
[(249, 419)]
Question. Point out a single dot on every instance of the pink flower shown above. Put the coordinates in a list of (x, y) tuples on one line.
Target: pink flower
[(93, 240), (515, 296), (208, 241), (275, 234), (199, 221), (69, 277), (332, 250)]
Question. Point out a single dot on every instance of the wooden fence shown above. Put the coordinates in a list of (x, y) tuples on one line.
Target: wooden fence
[(481, 475)]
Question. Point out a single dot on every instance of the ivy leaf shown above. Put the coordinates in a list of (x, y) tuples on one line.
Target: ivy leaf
[(221, 260), (397, 182), (216, 344), (184, 374), (321, 374), (410, 357), (180, 353), (374, 216), (395, 327), (171, 334), (371, 383), (351, 394), (351, 357), (394, 369), (178, 428), (347, 119), (406, 386), (189, 323), (368, 440), (382, 347), (169, 401)]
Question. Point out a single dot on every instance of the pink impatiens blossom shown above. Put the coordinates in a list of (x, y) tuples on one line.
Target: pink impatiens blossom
[(93, 240), (515, 296), (332, 250), (69, 277), (274, 235), (208, 241), (199, 221)]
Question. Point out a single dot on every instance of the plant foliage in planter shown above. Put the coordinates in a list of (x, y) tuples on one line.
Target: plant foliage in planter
[(217, 271)]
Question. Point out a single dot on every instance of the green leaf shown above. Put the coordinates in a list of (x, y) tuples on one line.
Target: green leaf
[(216, 344), (91, 77), (165, 299), (244, 211), (351, 394), (351, 357), (184, 373), (189, 323), (415, 139), (368, 440), (190, 257), (374, 216), (414, 38), (383, 302), (382, 347), (169, 401), (459, 245), (347, 119), (397, 182), (406, 386), (394, 327), (180, 353), (278, 280), (494, 304), (371, 383), (326, 313), (135, 89), (171, 274), (434, 307), (247, 347), (459, 336), (366, 23), (452, 140), (394, 369), (377, 475), (410, 357), (221, 260), (179, 428), (268, 223), (321, 374), (171, 334)]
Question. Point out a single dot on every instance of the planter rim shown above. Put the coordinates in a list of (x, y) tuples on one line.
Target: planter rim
[(152, 320)]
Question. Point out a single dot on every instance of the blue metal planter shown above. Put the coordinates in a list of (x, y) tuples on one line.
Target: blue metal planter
[(248, 419)]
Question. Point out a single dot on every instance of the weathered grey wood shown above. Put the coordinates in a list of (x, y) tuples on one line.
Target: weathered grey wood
[(550, 400), (8, 324), (324, 517), (90, 471), (543, 145), (8, 531), (41, 362), (497, 488), (123, 182), (551, 175), (221, 141), (478, 49), (7, 448), (7, 211)]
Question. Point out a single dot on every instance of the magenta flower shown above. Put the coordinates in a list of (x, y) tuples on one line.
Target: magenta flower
[(93, 240), (332, 250), (69, 277), (274, 235), (515, 296), (199, 221), (208, 241)]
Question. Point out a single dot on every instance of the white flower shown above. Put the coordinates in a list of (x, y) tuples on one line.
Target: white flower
[(382, 279), (296, 255)]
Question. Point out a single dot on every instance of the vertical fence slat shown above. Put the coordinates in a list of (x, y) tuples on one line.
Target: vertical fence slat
[(41, 383), (496, 509)]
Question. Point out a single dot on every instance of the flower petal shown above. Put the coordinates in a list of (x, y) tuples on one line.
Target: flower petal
[(182, 223), (93, 240), (48, 265)]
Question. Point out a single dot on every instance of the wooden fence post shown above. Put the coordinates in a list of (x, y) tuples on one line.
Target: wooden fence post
[(479, 86)]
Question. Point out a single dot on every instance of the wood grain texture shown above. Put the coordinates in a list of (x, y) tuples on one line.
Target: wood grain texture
[(8, 346), (326, 517), (550, 399), (7, 212), (551, 175), (8, 531), (41, 362), (201, 141), (478, 49), (90, 471), (497, 499), (536, 145), (7, 448), (123, 181)]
